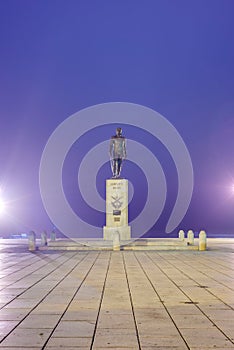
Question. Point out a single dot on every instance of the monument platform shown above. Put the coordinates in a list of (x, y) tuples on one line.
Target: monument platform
[(131, 244)]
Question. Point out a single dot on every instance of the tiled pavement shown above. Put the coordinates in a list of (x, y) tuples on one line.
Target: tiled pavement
[(117, 300)]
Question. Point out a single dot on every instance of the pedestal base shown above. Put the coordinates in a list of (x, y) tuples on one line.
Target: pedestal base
[(124, 232)]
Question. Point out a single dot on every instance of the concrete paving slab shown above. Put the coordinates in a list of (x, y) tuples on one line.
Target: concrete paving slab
[(9, 314), (166, 342), (80, 314), (6, 326), (116, 321), (68, 347), (116, 340), (69, 342), (18, 348), (74, 329), (27, 338), (34, 321), (116, 348), (162, 348), (193, 321), (202, 338)]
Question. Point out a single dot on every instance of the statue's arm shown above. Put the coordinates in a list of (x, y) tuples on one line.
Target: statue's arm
[(111, 148), (124, 149)]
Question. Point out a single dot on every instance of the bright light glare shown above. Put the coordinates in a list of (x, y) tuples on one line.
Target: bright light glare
[(232, 188)]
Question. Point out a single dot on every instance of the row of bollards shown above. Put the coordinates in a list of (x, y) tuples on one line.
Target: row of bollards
[(44, 240), (116, 239), (190, 238)]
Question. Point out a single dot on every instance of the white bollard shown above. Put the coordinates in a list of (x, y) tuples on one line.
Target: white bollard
[(181, 235), (190, 237), (116, 240), (202, 240), (44, 238), (32, 241), (53, 235)]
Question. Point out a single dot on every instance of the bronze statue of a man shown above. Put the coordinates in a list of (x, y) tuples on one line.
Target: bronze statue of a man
[(117, 152)]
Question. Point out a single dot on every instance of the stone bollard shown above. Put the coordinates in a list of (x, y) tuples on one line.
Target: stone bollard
[(32, 241), (202, 240), (116, 240), (53, 235), (190, 237), (44, 238), (181, 235)]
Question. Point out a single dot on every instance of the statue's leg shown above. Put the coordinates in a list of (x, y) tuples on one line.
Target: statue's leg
[(119, 162), (112, 166), (115, 167)]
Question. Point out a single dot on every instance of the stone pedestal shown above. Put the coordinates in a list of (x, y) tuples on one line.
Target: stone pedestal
[(117, 210)]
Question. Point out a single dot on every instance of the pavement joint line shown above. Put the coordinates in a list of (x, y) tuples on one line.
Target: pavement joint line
[(74, 295), (131, 301), (62, 263), (160, 299), (196, 304), (44, 296), (100, 304)]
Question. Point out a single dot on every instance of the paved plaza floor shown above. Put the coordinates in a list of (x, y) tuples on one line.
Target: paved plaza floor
[(117, 300)]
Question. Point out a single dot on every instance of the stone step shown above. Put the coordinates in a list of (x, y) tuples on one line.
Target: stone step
[(138, 244), (158, 241)]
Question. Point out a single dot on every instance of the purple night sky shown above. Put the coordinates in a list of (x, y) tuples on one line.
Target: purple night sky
[(173, 56)]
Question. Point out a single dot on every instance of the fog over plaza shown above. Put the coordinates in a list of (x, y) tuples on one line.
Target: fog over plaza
[(172, 57)]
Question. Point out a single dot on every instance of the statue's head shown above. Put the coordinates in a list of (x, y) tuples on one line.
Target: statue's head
[(118, 131)]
